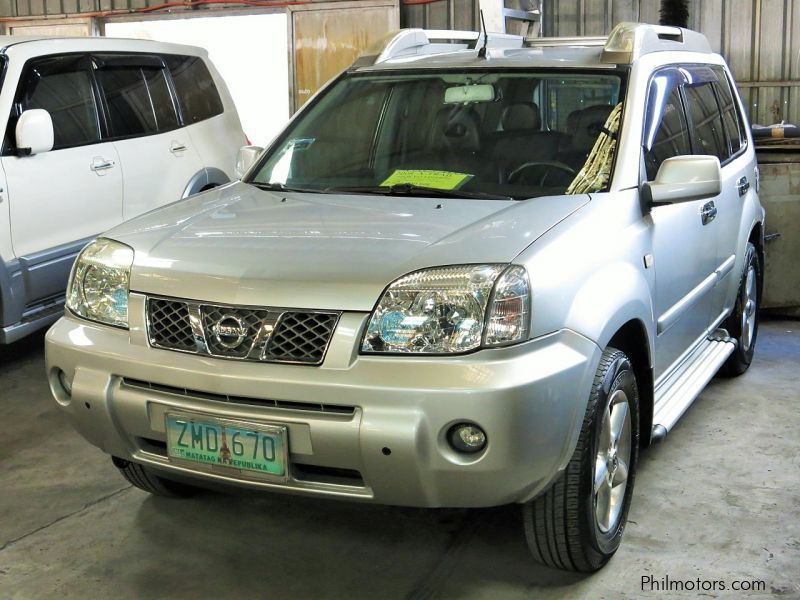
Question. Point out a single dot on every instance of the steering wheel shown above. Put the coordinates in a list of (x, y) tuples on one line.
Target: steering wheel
[(550, 165)]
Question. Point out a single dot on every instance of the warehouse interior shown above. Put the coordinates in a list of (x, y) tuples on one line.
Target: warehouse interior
[(716, 509)]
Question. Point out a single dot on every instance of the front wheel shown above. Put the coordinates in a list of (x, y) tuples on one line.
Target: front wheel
[(742, 325), (577, 524)]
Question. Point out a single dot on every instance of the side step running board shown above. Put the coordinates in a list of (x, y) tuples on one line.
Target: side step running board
[(677, 392)]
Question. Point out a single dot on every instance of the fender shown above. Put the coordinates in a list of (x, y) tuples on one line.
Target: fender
[(203, 179), (753, 214), (608, 299)]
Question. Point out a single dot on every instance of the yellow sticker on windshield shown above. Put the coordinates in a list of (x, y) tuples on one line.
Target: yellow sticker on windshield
[(440, 180)]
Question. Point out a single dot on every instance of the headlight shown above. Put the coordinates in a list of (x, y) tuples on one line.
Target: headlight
[(451, 310), (100, 282)]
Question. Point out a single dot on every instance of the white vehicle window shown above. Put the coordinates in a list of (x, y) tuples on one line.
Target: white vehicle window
[(63, 87), (138, 100), (197, 95)]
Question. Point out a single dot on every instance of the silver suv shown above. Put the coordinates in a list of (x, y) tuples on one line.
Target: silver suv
[(471, 272)]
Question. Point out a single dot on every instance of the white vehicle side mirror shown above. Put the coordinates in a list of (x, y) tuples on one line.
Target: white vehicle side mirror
[(34, 132), (248, 155), (683, 179)]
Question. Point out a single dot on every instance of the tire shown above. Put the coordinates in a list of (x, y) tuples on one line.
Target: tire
[(562, 526), (145, 479), (742, 325)]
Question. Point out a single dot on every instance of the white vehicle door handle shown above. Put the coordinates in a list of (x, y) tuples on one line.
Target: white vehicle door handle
[(708, 212), (177, 147), (743, 186), (101, 164)]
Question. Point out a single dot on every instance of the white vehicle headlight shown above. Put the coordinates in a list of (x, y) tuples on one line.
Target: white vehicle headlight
[(450, 310), (100, 282)]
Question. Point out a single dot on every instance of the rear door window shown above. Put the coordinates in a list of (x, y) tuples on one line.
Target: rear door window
[(197, 95), (138, 99), (707, 127), (63, 87), (730, 113)]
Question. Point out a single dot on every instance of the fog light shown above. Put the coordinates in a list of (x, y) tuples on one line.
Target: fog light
[(65, 381), (467, 437)]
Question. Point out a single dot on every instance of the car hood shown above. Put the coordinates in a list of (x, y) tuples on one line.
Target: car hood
[(241, 245)]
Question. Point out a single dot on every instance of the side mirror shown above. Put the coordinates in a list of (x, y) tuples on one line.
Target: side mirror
[(248, 155), (683, 179), (34, 132)]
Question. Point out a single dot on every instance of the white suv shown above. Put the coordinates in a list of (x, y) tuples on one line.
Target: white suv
[(97, 131)]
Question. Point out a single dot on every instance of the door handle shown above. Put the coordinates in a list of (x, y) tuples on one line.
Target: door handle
[(708, 213), (743, 186), (101, 164), (177, 147)]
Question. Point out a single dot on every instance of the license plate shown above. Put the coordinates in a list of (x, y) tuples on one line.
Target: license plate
[(247, 447)]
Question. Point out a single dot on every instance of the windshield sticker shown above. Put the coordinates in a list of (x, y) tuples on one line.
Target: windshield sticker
[(440, 180)]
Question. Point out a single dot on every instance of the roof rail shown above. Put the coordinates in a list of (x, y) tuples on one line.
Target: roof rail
[(537, 42), (629, 41), (413, 42)]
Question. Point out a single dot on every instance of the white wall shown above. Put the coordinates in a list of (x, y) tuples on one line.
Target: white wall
[(250, 53)]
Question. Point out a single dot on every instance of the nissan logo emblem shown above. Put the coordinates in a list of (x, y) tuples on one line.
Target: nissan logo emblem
[(230, 331)]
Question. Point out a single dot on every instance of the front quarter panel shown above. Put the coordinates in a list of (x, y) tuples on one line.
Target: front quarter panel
[(588, 274)]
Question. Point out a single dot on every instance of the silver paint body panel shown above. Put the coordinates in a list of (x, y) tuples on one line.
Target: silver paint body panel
[(596, 262)]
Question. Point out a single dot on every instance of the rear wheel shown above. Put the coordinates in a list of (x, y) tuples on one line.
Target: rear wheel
[(742, 325), (577, 524), (146, 479)]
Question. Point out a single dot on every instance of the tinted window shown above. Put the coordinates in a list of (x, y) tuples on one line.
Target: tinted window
[(730, 115), (564, 100), (671, 137), (373, 131), (63, 87), (138, 99), (197, 94), (707, 131)]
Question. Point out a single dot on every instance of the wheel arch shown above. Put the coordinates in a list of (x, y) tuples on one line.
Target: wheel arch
[(757, 239), (633, 340), (621, 316), (205, 179)]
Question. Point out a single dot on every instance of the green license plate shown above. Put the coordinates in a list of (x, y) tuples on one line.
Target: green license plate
[(217, 442)]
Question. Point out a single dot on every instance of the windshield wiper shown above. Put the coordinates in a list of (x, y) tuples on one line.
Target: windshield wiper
[(420, 191), (279, 187)]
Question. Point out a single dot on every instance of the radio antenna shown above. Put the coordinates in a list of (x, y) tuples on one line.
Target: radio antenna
[(482, 51)]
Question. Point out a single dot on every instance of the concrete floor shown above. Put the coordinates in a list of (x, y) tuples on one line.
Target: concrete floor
[(719, 500)]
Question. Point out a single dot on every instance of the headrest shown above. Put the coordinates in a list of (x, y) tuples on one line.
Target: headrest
[(521, 115), (456, 128), (588, 125), (572, 121)]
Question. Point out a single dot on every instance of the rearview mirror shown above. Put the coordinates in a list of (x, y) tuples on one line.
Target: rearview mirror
[(683, 179), (248, 155), (468, 94), (34, 132)]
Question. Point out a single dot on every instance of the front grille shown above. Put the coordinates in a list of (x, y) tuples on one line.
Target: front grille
[(301, 336), (169, 325), (240, 333), (251, 319), (318, 407)]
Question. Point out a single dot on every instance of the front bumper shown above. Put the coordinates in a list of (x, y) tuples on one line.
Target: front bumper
[(365, 428)]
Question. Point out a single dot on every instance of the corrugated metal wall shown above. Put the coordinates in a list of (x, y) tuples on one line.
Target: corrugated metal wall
[(759, 38)]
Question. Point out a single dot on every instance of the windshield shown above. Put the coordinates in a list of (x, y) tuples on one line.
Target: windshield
[(466, 133)]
